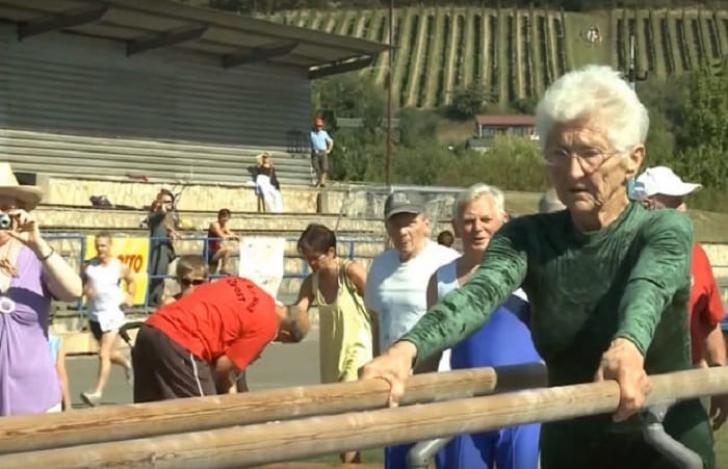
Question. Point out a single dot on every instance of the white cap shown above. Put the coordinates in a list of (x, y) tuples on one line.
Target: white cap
[(661, 180)]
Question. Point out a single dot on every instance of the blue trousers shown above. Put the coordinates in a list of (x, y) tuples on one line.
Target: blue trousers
[(508, 448)]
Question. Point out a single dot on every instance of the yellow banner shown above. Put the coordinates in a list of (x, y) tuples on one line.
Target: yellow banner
[(133, 252)]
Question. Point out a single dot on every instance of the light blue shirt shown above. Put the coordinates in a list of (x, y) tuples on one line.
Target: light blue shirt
[(319, 140)]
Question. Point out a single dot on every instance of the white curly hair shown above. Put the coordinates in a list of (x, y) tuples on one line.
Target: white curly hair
[(598, 92)]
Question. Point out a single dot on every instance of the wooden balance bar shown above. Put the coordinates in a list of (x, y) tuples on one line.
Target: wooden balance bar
[(257, 444), (123, 422)]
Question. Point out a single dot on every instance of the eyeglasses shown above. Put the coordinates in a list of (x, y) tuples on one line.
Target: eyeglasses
[(167, 201), (192, 281), (589, 159)]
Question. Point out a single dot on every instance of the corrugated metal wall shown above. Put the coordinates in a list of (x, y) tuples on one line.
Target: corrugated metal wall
[(77, 105)]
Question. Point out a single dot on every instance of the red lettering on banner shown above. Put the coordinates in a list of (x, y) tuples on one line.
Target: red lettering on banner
[(134, 261)]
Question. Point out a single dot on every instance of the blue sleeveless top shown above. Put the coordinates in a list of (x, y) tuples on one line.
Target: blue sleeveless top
[(504, 340)]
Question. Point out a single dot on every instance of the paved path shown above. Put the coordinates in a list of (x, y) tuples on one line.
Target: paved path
[(281, 365)]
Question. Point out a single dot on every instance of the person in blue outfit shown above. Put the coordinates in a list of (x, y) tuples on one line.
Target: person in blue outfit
[(504, 340), (321, 146)]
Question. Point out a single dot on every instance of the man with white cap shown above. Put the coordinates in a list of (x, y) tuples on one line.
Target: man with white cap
[(660, 188)]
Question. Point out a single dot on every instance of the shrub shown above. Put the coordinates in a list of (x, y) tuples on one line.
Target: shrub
[(468, 101)]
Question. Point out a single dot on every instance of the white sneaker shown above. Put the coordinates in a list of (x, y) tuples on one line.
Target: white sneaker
[(92, 399)]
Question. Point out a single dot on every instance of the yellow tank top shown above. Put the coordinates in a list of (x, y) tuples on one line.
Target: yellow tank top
[(345, 330)]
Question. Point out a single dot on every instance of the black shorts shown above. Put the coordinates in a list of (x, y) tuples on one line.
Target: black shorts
[(165, 370), (95, 329)]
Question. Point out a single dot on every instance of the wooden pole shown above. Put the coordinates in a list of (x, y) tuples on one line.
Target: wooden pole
[(29, 433), (258, 444), (390, 83)]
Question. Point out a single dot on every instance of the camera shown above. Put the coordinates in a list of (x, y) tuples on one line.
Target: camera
[(6, 223)]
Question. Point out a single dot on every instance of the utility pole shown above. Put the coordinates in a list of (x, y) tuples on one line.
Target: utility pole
[(632, 75), (390, 66)]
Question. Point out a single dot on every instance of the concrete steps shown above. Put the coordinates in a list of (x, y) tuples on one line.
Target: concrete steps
[(76, 155)]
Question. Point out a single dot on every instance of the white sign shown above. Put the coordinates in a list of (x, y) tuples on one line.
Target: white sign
[(261, 260)]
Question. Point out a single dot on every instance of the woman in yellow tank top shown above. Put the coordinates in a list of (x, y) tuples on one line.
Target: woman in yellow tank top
[(336, 287)]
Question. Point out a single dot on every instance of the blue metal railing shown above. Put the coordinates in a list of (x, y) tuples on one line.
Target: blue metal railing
[(348, 243), (50, 237)]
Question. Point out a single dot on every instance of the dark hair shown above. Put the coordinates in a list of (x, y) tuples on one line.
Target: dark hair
[(224, 212), (168, 192), (317, 238), (445, 238)]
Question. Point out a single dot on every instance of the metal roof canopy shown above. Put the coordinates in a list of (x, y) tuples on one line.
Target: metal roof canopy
[(232, 39)]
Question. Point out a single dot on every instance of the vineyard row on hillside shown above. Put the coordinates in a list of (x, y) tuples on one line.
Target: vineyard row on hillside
[(516, 53)]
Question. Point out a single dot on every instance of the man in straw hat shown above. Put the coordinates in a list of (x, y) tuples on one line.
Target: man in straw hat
[(31, 274)]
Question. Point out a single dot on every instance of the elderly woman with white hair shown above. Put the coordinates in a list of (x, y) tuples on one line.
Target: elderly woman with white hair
[(608, 281)]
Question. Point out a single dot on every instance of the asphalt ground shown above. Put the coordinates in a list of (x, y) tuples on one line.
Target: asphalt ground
[(280, 365)]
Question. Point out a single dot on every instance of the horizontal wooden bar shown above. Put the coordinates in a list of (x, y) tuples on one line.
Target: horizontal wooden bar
[(111, 423), (258, 444)]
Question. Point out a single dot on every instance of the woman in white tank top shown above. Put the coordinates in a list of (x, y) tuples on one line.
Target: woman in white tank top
[(102, 278)]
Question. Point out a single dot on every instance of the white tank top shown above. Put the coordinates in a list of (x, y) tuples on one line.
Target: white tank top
[(447, 279), (105, 281)]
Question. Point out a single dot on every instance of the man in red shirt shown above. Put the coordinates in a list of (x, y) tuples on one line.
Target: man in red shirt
[(199, 344), (660, 187)]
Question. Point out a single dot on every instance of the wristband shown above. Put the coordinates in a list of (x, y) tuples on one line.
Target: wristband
[(47, 256)]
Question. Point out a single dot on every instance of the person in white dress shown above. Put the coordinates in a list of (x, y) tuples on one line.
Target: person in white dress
[(102, 278)]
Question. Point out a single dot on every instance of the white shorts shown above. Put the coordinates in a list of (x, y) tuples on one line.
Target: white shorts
[(109, 321)]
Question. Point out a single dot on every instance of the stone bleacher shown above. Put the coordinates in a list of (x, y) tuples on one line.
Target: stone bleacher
[(355, 211), (91, 156)]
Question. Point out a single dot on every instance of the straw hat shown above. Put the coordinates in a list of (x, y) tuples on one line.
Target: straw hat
[(28, 196)]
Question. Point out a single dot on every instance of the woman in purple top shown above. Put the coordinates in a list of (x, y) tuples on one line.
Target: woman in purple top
[(30, 274)]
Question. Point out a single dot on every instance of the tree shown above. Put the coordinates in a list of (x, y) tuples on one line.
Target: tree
[(702, 140), (705, 112), (416, 126), (351, 95), (468, 101)]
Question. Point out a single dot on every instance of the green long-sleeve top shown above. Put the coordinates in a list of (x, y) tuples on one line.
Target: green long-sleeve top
[(630, 279)]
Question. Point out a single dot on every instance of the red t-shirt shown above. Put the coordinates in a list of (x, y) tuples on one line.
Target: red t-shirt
[(231, 316), (705, 309)]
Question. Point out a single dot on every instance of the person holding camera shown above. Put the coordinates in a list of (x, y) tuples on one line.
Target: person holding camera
[(162, 222), (31, 275)]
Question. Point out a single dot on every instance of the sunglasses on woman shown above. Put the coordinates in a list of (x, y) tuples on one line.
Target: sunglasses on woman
[(192, 281)]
